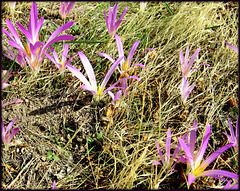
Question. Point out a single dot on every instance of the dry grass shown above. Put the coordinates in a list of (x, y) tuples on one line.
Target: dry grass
[(121, 158)]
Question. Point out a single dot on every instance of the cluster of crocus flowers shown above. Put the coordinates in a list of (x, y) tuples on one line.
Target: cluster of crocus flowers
[(186, 67), (112, 24), (195, 164), (6, 133), (33, 52), (99, 91), (5, 76), (233, 138)]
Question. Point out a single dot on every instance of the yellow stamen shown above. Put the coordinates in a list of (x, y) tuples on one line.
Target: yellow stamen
[(199, 170), (125, 66), (27, 50), (99, 92)]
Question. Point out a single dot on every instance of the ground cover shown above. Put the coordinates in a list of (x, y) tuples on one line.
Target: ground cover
[(67, 137)]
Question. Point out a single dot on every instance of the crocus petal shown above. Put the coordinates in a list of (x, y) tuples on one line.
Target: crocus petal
[(70, 5), (59, 38), (168, 144), (236, 132), (55, 56), (89, 89), (65, 52), (142, 53), (139, 64), (78, 74), (191, 88), (193, 136), (117, 95), (194, 57), (4, 85), (33, 19), (106, 19), (89, 70), (215, 173), (186, 56), (2, 130), (14, 131), (203, 146), (13, 31), (232, 47), (123, 14), (131, 52), (39, 25), (59, 30), (187, 151), (70, 59), (119, 46), (114, 85), (191, 178), (9, 127), (51, 58), (106, 56), (8, 34), (12, 102), (231, 128), (160, 152), (54, 185), (214, 155), (109, 73), (25, 32), (181, 56), (114, 13)]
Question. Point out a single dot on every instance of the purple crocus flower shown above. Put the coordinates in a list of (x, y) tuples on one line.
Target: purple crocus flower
[(167, 161), (34, 50), (195, 166), (112, 25), (125, 65), (6, 134), (61, 64), (234, 136), (66, 8), (187, 66), (91, 85), (232, 47), (185, 90)]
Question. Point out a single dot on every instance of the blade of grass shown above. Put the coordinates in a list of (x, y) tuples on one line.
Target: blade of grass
[(169, 9)]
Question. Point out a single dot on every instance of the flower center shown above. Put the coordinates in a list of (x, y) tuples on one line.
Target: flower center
[(125, 66), (100, 90), (199, 170)]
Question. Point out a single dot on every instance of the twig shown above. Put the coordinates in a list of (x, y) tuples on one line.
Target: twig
[(10, 185)]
